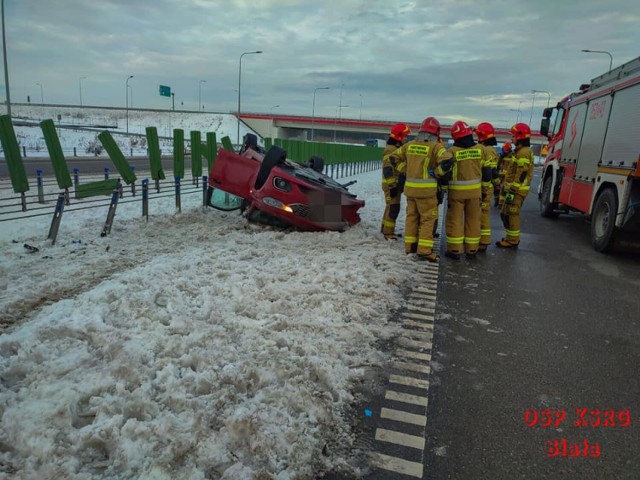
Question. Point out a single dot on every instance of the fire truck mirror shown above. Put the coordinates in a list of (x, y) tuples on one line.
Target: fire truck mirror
[(544, 126)]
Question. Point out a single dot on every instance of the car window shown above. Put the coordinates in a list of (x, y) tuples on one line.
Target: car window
[(225, 201)]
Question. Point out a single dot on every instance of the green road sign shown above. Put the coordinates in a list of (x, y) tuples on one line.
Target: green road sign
[(165, 91)]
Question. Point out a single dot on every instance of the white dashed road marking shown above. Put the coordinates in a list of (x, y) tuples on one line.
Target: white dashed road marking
[(400, 436)]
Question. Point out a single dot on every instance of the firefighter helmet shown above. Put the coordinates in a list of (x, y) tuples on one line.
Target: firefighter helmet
[(521, 131), (485, 131), (506, 147), (460, 129), (400, 131), (430, 125)]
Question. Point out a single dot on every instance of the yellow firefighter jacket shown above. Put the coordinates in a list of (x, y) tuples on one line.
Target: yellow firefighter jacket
[(492, 163), (419, 160), (520, 173), (466, 178), (389, 169)]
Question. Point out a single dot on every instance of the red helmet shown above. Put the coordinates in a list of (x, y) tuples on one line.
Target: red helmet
[(506, 147), (400, 131), (460, 129), (430, 125), (520, 131), (485, 131)]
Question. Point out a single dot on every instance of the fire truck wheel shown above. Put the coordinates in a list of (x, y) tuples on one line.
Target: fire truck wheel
[(273, 157), (603, 221), (547, 207)]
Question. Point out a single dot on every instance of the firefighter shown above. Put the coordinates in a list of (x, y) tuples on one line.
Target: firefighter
[(516, 185), (419, 160), (487, 138), (392, 182), (504, 162), (464, 193)]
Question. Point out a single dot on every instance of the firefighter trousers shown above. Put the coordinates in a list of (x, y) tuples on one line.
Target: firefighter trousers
[(510, 215), (390, 215), (485, 219), (463, 224), (422, 214)]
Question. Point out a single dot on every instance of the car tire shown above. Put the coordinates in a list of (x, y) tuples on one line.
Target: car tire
[(547, 207), (603, 221), (316, 163), (273, 157)]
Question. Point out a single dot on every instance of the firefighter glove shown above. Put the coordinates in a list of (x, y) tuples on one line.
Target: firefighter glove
[(447, 164), (402, 178), (431, 172), (510, 197), (393, 192)]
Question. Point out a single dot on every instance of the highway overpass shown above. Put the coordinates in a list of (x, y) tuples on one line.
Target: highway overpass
[(323, 129)]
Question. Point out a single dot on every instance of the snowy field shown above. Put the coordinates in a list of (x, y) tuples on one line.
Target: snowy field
[(191, 346), (79, 128)]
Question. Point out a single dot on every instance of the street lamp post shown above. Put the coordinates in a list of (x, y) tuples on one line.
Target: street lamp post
[(271, 115), (131, 96), (339, 114), (517, 110), (546, 93), (80, 87), (41, 93), (605, 52), (533, 100), (360, 106), (313, 108), (200, 94), (127, 105), (4, 57), (239, 86)]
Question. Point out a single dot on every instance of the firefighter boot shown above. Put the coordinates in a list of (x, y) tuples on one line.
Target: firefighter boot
[(504, 243), (452, 255), (428, 257), (410, 248)]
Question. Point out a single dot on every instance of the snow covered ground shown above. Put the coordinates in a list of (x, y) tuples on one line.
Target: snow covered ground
[(193, 345)]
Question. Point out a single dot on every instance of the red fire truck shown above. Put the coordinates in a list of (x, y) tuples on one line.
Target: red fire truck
[(593, 160)]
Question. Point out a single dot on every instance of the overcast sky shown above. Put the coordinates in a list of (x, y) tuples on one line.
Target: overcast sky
[(395, 60)]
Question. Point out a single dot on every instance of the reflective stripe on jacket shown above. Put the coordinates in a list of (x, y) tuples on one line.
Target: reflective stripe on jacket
[(467, 170), (418, 159)]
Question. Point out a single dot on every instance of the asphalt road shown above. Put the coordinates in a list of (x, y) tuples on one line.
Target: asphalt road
[(552, 326)]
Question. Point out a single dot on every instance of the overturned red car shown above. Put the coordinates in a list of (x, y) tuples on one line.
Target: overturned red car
[(272, 190)]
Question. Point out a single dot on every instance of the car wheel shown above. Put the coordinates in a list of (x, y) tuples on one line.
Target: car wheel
[(273, 157), (316, 163), (547, 207), (603, 220)]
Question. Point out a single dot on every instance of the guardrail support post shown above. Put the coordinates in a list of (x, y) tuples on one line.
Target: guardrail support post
[(204, 190), (40, 186), (145, 198), (57, 217), (133, 184), (178, 204), (76, 181)]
